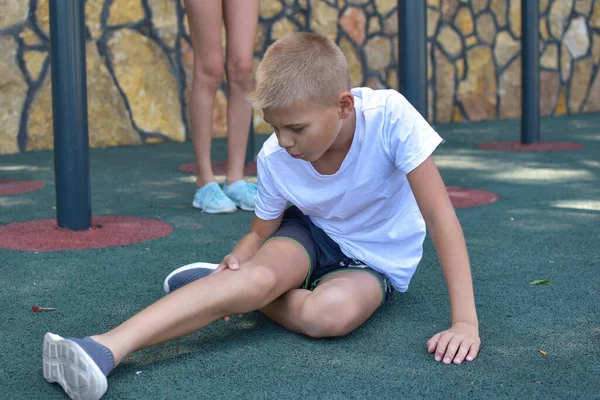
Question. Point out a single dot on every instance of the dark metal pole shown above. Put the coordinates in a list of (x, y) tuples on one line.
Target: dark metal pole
[(69, 112), (250, 146), (412, 52), (530, 98)]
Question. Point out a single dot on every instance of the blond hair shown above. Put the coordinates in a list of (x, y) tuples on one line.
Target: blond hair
[(300, 67)]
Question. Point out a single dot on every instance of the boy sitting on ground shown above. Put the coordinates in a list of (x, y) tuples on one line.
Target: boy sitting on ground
[(346, 189)]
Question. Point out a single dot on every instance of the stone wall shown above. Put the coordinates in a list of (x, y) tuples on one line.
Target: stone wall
[(139, 61)]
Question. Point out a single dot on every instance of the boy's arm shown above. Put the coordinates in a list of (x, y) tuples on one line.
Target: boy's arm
[(260, 231), (461, 341)]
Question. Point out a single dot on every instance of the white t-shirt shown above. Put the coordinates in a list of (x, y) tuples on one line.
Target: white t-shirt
[(367, 206)]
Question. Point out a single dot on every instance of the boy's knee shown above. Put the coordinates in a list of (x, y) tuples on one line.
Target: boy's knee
[(261, 282), (328, 315)]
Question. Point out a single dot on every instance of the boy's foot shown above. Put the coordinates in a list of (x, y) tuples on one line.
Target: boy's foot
[(79, 366), (242, 193), (211, 199), (187, 274)]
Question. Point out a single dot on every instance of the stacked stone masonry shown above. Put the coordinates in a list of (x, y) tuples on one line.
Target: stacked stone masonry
[(139, 62)]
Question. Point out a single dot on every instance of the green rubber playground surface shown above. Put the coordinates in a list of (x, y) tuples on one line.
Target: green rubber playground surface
[(538, 341)]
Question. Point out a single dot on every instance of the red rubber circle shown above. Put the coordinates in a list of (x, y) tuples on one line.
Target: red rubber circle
[(464, 198), (10, 187), (538, 146), (106, 231)]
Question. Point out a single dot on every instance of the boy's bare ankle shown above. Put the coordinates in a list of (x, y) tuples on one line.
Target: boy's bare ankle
[(101, 339), (98, 339)]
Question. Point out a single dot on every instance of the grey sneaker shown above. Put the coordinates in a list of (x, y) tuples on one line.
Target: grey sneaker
[(242, 194), (211, 199), (187, 274), (69, 365)]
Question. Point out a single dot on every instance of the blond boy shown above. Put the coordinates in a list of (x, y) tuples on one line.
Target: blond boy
[(346, 189)]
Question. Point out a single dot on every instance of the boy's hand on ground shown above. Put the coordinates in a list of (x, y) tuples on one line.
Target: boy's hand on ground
[(230, 262), (460, 342)]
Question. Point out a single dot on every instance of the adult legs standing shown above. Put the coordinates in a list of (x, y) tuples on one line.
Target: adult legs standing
[(205, 31), (241, 21)]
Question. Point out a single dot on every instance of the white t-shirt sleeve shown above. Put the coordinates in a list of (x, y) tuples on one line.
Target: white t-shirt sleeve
[(410, 139), (270, 204)]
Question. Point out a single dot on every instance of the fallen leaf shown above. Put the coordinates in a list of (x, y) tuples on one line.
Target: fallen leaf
[(541, 282), (543, 352)]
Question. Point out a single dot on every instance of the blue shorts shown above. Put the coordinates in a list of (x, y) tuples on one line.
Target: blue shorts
[(324, 255)]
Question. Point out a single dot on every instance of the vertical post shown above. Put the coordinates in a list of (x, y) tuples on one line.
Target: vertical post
[(412, 52), (530, 98), (69, 112), (250, 146)]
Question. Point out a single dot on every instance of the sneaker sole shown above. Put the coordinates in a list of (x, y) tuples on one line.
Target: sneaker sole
[(208, 211), (242, 207), (245, 208), (185, 268), (67, 364)]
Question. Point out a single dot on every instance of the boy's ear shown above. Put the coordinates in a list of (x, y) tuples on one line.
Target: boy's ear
[(345, 104)]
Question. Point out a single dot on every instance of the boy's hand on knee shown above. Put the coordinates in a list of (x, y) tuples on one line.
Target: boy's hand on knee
[(230, 262), (460, 342)]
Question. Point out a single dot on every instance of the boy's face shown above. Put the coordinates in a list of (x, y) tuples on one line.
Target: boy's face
[(307, 132)]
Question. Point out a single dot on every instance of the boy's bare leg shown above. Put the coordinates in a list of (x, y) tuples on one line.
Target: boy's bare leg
[(280, 265), (205, 21), (339, 304), (241, 21)]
